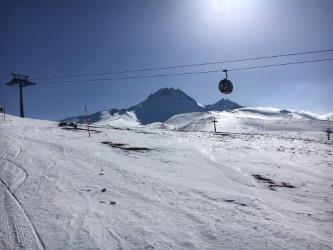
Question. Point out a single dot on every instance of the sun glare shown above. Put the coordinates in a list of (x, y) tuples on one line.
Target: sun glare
[(219, 4), (234, 13), (216, 6)]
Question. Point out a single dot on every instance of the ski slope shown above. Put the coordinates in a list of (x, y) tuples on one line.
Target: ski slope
[(265, 181)]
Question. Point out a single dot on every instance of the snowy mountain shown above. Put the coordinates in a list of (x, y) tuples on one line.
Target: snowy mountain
[(168, 104), (163, 104), (158, 107)]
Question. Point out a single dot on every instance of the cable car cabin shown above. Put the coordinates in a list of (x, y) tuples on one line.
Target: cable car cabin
[(226, 86)]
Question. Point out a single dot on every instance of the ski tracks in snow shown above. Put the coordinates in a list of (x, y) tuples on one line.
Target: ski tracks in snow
[(16, 229)]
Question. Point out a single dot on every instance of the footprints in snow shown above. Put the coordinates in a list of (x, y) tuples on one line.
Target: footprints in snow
[(103, 190), (111, 202)]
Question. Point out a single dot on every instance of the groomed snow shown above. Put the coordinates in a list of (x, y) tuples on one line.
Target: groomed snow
[(169, 186)]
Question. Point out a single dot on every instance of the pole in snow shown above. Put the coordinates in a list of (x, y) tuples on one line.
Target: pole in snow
[(329, 132), (214, 122), (2, 110), (87, 120), (22, 81)]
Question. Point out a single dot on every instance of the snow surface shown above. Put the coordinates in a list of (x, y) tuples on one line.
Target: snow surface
[(174, 185)]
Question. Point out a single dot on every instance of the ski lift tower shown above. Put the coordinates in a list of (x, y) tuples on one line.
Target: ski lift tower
[(22, 81)]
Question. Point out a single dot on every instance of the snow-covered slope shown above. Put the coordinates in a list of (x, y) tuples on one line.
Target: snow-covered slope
[(146, 188), (328, 116), (108, 118), (158, 107), (324, 117), (249, 119)]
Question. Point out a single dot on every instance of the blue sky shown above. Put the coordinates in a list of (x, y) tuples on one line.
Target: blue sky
[(52, 38)]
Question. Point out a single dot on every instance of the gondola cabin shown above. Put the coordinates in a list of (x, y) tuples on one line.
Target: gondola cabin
[(225, 85)]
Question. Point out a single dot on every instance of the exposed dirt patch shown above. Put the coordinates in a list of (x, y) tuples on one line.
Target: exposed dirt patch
[(124, 146), (143, 149), (80, 129), (113, 144), (272, 184)]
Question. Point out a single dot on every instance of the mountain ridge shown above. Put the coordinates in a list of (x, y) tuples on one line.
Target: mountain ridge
[(165, 103), (160, 106)]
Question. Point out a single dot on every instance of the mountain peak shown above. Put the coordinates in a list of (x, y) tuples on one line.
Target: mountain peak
[(168, 92), (223, 104), (163, 104)]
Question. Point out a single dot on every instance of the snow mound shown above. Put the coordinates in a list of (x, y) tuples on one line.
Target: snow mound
[(107, 118), (127, 119)]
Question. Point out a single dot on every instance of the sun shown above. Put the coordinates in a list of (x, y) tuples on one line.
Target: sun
[(219, 4), (216, 6)]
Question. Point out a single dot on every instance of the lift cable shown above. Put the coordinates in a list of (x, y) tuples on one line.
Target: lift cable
[(184, 65), (188, 73)]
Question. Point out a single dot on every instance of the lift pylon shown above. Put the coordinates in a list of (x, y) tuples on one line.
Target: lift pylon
[(22, 81)]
